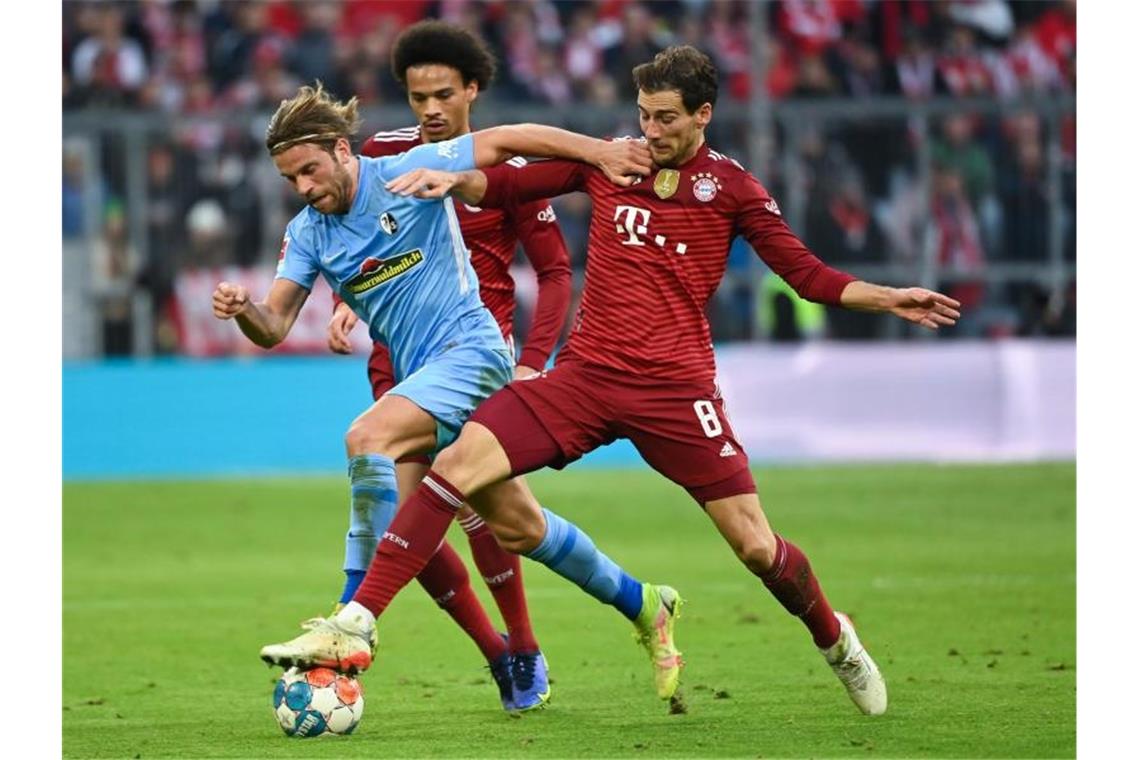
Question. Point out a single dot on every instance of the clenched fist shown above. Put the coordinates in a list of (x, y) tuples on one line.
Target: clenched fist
[(229, 300)]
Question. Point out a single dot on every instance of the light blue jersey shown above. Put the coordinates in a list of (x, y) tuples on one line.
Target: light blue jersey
[(399, 262)]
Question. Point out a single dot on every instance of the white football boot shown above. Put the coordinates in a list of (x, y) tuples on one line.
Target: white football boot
[(342, 642), (856, 670)]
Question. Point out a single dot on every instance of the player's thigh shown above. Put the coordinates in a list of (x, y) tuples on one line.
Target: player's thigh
[(686, 436), (547, 420), (512, 513), (393, 426), (453, 384), (382, 378)]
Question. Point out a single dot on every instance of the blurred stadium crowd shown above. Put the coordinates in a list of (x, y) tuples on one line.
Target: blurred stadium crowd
[(968, 189)]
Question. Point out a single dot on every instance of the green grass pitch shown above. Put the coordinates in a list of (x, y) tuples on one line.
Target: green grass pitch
[(962, 580)]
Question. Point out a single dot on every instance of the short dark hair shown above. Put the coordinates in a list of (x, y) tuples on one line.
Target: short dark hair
[(682, 68), (439, 42)]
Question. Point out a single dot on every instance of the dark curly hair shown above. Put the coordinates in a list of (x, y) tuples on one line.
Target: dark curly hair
[(682, 68), (429, 42)]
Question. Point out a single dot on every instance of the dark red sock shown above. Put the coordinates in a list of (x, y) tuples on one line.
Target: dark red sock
[(502, 572), (445, 579), (411, 540), (793, 583)]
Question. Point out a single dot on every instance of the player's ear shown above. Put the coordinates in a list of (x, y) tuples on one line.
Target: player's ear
[(704, 115), (472, 91), (342, 150)]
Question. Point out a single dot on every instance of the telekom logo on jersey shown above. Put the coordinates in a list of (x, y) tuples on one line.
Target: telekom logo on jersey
[(633, 221)]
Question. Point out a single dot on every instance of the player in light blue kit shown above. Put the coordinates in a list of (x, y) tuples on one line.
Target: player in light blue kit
[(400, 263)]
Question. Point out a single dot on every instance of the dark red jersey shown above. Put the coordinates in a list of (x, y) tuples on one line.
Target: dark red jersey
[(491, 236), (657, 252)]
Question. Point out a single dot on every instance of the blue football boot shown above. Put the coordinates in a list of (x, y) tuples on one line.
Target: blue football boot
[(531, 681)]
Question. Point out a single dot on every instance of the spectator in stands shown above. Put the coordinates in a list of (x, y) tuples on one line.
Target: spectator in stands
[(958, 151), (842, 231), (115, 265), (582, 59), (108, 66), (1025, 68), (268, 82), (1025, 203), (639, 43), (210, 245), (961, 64), (73, 179), (863, 74), (727, 39), (811, 25), (1056, 31), (814, 79), (311, 55), (238, 32), (915, 72), (957, 238)]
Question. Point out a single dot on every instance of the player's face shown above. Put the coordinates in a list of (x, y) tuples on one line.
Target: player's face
[(323, 179), (672, 132), (439, 99)]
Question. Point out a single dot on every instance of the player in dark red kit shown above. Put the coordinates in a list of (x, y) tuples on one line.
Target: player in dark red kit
[(443, 69), (640, 365)]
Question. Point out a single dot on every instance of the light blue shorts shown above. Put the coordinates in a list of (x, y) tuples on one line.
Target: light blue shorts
[(451, 385)]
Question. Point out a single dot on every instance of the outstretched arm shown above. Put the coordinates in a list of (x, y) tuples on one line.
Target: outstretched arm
[(468, 187), (266, 323), (622, 161), (919, 305), (760, 221), (497, 186)]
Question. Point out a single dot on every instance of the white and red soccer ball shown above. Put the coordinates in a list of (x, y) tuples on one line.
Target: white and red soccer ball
[(317, 702)]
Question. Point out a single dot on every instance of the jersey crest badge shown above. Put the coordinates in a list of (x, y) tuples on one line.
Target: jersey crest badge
[(666, 183), (772, 208), (388, 223), (705, 186)]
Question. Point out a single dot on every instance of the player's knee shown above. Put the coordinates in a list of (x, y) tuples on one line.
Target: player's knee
[(757, 550), (366, 437), (470, 463)]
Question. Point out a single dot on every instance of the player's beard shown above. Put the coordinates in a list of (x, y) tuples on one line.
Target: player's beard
[(685, 150), (340, 190)]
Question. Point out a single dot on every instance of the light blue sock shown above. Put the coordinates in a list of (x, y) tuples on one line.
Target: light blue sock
[(569, 552), (374, 498)]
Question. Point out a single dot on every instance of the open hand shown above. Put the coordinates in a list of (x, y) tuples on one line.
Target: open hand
[(423, 183), (925, 307)]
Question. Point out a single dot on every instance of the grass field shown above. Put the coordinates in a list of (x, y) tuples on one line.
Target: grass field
[(962, 580)]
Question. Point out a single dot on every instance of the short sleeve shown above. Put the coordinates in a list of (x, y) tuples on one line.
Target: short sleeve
[(296, 262), (455, 155)]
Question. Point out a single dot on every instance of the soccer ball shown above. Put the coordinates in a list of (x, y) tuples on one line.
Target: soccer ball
[(317, 702)]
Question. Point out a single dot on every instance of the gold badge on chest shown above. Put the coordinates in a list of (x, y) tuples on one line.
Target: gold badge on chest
[(666, 183)]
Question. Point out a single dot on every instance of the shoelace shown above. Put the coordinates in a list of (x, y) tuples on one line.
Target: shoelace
[(523, 667), (851, 671)]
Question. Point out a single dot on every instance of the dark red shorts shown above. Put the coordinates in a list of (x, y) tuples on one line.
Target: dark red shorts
[(679, 428)]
